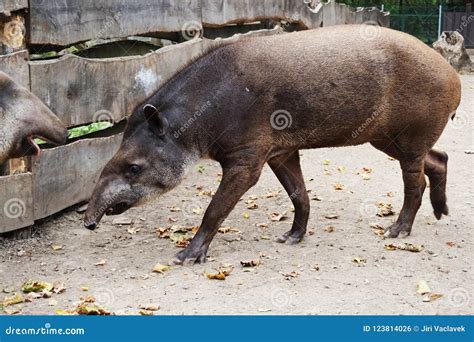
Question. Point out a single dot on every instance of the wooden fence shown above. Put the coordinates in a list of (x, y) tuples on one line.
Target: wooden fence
[(83, 90)]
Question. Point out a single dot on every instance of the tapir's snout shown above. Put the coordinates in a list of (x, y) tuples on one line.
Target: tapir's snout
[(90, 225)]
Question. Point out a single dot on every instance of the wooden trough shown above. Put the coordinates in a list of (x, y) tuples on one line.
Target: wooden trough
[(82, 90)]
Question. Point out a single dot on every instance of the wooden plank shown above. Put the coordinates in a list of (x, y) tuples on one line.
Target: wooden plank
[(216, 13), (63, 22), (16, 202), (16, 66), (81, 90), (7, 6), (66, 175)]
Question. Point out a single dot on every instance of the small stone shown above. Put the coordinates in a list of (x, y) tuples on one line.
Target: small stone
[(124, 221)]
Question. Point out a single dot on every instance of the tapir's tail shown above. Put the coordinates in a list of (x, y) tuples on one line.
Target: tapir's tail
[(436, 168)]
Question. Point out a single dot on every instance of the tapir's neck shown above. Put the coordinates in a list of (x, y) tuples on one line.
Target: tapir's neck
[(189, 102)]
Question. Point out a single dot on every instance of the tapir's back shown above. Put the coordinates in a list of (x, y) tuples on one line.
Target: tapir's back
[(344, 74)]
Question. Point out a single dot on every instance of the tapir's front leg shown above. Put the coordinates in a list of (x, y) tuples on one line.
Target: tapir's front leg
[(239, 175)]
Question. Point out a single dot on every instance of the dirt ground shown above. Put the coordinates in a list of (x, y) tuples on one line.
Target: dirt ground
[(345, 269)]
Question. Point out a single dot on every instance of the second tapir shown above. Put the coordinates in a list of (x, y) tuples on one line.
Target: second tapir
[(261, 100), (22, 118)]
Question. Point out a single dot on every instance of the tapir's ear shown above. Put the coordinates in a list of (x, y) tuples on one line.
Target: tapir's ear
[(157, 122)]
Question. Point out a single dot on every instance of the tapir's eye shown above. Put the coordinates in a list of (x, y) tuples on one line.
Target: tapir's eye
[(135, 169)]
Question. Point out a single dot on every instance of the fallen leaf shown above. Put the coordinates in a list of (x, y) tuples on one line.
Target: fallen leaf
[(174, 209), (56, 247), (405, 247), (390, 194), (291, 275), (250, 263), (422, 287), (144, 312), (329, 229), (84, 288), (262, 225), (63, 312), (88, 299), (224, 230), (276, 217), (13, 299), (451, 244), (36, 286), (163, 232), (58, 287), (159, 268), (377, 229), (133, 231), (245, 215), (101, 262), (331, 216), (326, 162), (150, 307), (385, 209), (84, 309), (341, 169), (339, 186), (12, 310), (359, 260), (222, 272)]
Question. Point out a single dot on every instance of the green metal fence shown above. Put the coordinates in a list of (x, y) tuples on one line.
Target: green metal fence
[(420, 18)]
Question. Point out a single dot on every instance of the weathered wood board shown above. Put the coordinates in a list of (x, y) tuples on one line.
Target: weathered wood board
[(16, 66), (66, 175), (81, 90), (7, 6), (63, 22), (16, 202), (121, 18), (216, 13)]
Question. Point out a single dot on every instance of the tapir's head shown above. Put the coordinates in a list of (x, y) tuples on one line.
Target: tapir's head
[(149, 163), (23, 117)]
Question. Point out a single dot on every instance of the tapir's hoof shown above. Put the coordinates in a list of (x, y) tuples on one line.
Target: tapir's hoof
[(397, 230), (440, 210), (291, 238), (190, 256)]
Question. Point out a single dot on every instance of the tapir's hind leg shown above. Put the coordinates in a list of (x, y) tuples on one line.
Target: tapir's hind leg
[(288, 171), (414, 186), (436, 167)]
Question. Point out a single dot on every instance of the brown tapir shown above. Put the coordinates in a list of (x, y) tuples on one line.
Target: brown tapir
[(22, 118), (261, 100)]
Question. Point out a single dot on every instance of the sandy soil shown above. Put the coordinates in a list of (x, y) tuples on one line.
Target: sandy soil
[(341, 270)]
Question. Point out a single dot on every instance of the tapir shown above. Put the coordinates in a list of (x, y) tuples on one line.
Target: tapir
[(24, 117), (261, 100)]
